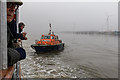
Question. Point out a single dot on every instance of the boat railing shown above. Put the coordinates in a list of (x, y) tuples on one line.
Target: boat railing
[(3, 39), (17, 71), (13, 72), (5, 71)]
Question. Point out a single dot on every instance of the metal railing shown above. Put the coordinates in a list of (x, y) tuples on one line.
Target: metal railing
[(3, 40), (3, 35)]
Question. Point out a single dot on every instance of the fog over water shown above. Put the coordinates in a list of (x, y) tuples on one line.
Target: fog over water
[(85, 55), (69, 16)]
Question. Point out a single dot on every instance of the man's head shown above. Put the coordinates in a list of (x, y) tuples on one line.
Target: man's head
[(12, 6), (21, 25)]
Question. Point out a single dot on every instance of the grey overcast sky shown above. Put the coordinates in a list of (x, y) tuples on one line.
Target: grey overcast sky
[(69, 16)]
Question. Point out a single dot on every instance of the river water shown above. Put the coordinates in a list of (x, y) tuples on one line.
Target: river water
[(84, 56)]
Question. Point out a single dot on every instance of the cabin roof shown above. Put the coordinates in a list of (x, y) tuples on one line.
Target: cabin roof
[(49, 35)]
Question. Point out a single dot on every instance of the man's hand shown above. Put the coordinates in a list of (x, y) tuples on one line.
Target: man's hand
[(25, 38), (19, 40), (24, 34)]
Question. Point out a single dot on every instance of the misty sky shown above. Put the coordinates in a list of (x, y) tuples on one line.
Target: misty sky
[(69, 16)]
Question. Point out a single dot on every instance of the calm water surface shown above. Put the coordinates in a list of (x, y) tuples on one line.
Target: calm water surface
[(84, 56)]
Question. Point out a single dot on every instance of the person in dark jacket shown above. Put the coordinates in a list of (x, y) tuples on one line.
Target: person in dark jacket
[(14, 54), (13, 29), (21, 26)]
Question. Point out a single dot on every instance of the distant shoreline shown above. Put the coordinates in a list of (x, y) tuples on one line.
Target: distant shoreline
[(117, 33)]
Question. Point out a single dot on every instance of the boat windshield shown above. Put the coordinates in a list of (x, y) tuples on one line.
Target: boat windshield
[(52, 37), (45, 37)]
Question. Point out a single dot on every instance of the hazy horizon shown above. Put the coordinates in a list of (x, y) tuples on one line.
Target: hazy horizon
[(69, 16)]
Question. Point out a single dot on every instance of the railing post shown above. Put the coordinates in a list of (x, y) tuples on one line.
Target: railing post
[(3, 35)]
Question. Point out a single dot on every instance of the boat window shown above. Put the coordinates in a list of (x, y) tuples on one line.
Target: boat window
[(52, 37), (42, 37), (47, 37)]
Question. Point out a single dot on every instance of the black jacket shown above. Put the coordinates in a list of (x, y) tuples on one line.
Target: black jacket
[(13, 28), (14, 54)]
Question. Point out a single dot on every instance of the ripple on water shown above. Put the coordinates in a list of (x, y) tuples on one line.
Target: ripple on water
[(49, 66)]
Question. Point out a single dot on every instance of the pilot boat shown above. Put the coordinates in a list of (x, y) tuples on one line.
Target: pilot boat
[(49, 42)]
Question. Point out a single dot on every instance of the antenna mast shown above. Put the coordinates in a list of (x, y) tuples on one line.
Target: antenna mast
[(50, 28)]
